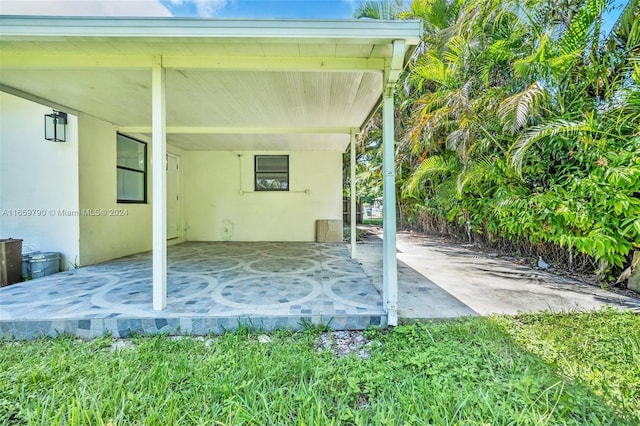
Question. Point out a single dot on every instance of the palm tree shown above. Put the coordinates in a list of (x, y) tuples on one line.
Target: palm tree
[(383, 10), (520, 119)]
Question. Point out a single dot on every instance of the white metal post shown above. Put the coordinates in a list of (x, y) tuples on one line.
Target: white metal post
[(352, 193), (159, 183), (389, 261)]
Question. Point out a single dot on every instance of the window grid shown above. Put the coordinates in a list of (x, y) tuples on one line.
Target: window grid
[(126, 171), (271, 173)]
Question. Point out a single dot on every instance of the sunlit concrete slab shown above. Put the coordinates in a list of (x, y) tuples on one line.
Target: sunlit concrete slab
[(440, 280)]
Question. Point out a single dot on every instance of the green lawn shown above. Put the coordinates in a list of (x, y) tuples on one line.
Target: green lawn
[(534, 369)]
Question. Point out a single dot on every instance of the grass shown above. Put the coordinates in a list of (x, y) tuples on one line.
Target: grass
[(543, 369), (598, 348)]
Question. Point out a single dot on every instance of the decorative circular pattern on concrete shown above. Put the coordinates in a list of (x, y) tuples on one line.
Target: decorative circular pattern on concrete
[(205, 280), (342, 266), (129, 293), (351, 291), (73, 286), (266, 292), (288, 265), (194, 250), (205, 265), (296, 250)]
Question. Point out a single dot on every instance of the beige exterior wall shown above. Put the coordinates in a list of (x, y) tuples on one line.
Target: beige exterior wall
[(125, 228), (120, 229), (38, 181), (220, 203)]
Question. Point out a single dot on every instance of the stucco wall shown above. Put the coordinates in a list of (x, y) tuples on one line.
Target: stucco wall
[(118, 229), (220, 204), (38, 181), (125, 228)]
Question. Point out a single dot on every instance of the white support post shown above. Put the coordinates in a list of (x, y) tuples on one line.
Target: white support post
[(389, 261), (352, 193), (159, 183)]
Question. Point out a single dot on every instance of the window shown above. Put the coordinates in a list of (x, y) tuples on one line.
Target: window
[(131, 170), (272, 172)]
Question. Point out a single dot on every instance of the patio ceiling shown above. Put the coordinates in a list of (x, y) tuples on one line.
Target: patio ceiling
[(230, 85)]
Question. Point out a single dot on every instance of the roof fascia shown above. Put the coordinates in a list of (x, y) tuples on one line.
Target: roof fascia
[(25, 27)]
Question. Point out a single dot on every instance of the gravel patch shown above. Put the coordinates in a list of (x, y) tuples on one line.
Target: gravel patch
[(345, 343)]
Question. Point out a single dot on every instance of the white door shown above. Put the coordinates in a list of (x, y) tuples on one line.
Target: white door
[(173, 165)]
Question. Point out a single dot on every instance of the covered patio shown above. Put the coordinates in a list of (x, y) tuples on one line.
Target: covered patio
[(212, 287), (213, 95)]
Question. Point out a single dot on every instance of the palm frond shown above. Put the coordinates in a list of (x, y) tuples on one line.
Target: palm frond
[(427, 126), (430, 68), (625, 33), (435, 14), (474, 171), (387, 10), (533, 63), (457, 139), (516, 110), (431, 112), (459, 100), (455, 49), (581, 28), (430, 166), (536, 133), (497, 53)]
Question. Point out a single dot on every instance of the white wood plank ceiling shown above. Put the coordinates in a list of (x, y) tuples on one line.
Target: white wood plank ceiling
[(269, 85)]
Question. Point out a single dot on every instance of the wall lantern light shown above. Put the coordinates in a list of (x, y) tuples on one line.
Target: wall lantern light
[(55, 126)]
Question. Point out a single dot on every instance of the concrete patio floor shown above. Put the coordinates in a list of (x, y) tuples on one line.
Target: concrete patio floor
[(212, 287)]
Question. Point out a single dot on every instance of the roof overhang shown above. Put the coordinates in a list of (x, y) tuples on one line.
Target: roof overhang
[(230, 84)]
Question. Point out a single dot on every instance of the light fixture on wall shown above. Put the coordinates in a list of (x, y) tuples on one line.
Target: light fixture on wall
[(55, 126)]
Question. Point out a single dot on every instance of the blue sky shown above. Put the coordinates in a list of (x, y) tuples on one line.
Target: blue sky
[(328, 9), (300, 9), (263, 8)]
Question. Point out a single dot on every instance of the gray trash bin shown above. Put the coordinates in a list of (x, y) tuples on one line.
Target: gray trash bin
[(44, 264), (26, 269)]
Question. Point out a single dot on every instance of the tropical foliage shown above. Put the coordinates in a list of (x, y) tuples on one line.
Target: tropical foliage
[(519, 121)]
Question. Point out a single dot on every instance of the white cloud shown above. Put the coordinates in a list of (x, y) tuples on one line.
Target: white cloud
[(84, 7), (353, 4), (209, 8), (204, 8)]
